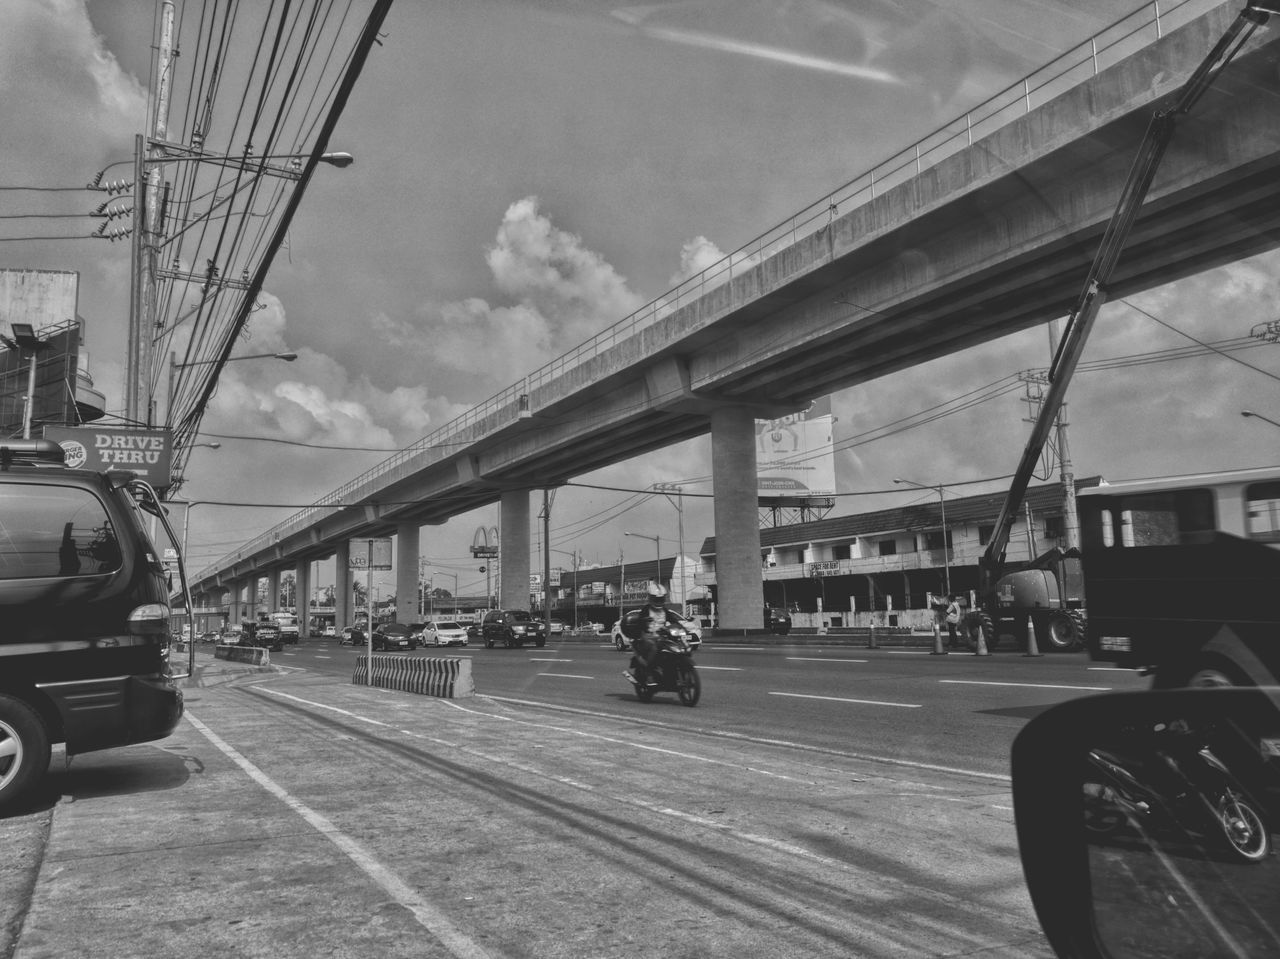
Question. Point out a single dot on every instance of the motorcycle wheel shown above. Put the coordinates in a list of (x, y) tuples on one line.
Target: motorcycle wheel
[(1247, 835), (688, 685), (645, 693)]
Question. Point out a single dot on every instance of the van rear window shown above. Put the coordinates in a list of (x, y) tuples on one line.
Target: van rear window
[(54, 531)]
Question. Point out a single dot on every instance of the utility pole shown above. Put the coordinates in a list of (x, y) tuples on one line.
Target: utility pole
[(139, 406)]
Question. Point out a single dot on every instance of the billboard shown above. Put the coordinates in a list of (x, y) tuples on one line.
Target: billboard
[(795, 455), (43, 298), (149, 453), (369, 554)]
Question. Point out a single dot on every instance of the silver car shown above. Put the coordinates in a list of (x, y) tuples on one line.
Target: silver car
[(444, 632)]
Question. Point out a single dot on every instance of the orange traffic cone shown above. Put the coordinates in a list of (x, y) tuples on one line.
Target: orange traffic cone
[(982, 641), (937, 641), (1032, 648)]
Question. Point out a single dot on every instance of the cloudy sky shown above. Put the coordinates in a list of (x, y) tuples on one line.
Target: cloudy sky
[(529, 172)]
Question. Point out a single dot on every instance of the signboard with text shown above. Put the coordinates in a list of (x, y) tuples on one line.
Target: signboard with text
[(149, 453), (795, 455), (370, 554)]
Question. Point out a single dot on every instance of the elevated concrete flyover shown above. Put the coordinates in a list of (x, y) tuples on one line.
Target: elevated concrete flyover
[(985, 229)]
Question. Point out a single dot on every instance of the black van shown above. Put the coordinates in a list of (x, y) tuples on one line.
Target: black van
[(84, 614)]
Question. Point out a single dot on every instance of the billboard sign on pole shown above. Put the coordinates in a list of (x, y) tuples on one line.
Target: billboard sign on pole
[(795, 455)]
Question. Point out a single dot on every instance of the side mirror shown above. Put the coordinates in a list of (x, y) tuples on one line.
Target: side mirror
[(1145, 823)]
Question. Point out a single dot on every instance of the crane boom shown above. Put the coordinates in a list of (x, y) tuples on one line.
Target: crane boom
[(1159, 132)]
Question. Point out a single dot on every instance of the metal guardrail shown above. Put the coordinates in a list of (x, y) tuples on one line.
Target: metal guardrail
[(1086, 60)]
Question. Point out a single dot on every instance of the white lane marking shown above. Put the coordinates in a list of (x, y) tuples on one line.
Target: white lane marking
[(820, 659), (565, 676), (978, 682), (907, 652), (723, 669), (1111, 669), (430, 918), (324, 657), (838, 699), (551, 660)]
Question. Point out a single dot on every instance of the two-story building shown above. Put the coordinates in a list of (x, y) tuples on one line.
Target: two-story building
[(844, 570)]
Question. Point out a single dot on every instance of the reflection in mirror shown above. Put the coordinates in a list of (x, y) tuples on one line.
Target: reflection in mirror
[(1178, 817)]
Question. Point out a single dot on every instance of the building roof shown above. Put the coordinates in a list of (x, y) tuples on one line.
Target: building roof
[(982, 508)]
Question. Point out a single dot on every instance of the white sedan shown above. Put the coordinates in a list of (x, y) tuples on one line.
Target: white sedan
[(692, 628), (444, 632)]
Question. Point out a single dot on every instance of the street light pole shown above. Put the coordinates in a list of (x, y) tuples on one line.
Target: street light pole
[(946, 564), (657, 542), (1265, 419)]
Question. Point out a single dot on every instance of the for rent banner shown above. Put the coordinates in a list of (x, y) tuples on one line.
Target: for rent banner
[(149, 453), (795, 455)]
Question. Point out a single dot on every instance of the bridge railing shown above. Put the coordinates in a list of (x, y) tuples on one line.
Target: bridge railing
[(1121, 39)]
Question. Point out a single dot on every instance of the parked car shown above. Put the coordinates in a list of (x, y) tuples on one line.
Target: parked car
[(230, 635), (512, 627), (444, 632), (590, 627), (392, 636), (629, 627), (84, 603), (352, 636), (330, 631), (777, 620)]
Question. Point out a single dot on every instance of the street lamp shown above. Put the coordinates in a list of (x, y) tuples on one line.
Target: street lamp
[(658, 548), (946, 565), (174, 366), (1265, 419)]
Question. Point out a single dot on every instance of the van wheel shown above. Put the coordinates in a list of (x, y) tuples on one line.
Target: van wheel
[(24, 750)]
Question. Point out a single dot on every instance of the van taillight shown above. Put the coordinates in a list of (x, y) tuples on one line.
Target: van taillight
[(150, 618)]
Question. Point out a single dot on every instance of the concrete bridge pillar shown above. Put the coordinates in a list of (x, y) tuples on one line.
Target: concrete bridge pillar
[(302, 597), (739, 580), (273, 591), (513, 530), (235, 590), (342, 585), (407, 546)]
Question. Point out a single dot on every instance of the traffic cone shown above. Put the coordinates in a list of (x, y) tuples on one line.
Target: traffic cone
[(871, 638), (1032, 648), (937, 641), (982, 641)]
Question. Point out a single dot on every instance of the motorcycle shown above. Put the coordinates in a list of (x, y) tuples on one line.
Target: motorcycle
[(672, 671), (1175, 786)]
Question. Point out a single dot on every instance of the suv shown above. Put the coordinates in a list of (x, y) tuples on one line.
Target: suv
[(263, 633), (512, 627), (84, 614)]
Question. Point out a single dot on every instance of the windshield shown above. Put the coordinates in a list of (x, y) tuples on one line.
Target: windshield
[(447, 625)]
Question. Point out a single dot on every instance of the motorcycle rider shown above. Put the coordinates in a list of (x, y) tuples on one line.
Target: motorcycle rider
[(652, 618)]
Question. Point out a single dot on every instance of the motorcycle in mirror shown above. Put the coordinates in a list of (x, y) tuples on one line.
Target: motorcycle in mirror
[(672, 671), (1175, 783)]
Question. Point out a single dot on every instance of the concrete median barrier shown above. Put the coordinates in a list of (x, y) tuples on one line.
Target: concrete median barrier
[(448, 677), (256, 655)]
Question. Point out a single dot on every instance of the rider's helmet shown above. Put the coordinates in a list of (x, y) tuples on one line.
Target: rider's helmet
[(657, 594)]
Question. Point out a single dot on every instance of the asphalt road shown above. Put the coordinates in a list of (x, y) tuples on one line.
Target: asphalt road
[(818, 802), (957, 711)]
